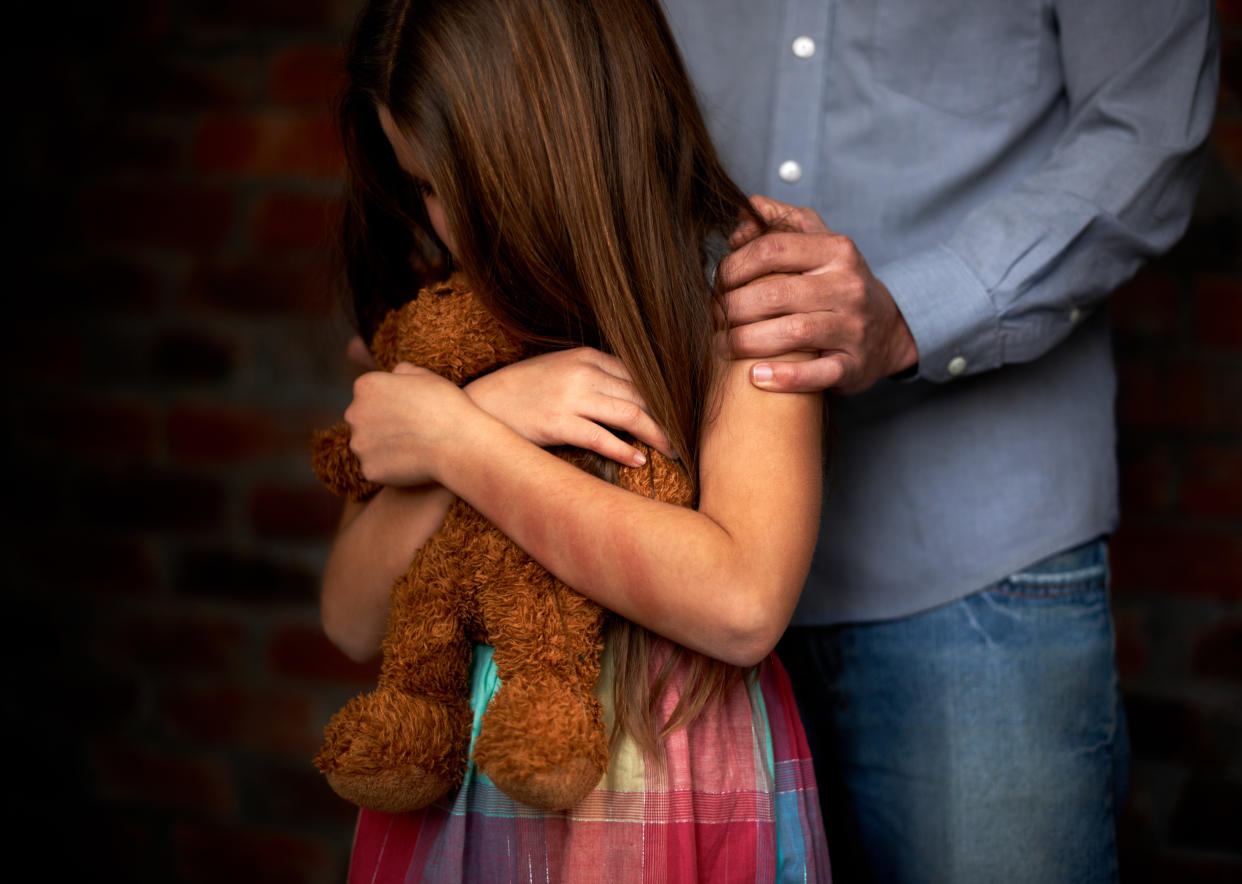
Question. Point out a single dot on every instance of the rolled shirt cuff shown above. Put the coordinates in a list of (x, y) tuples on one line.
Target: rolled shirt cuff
[(949, 312)]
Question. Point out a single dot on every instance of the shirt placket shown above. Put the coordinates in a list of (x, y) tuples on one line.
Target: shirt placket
[(793, 154)]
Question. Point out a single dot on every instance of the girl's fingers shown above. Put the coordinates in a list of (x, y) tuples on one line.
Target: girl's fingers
[(583, 433), (633, 419)]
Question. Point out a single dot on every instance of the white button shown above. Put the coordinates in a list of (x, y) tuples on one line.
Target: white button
[(957, 365), (1075, 315), (803, 47), (790, 172)]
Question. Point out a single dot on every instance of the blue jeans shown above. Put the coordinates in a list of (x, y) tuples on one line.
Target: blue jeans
[(983, 740)]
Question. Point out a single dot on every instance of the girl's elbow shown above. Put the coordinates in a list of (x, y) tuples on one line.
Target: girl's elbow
[(348, 641), (756, 627)]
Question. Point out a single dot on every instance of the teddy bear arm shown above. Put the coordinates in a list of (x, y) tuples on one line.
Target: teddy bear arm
[(337, 466)]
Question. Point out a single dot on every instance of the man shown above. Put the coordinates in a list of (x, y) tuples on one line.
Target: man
[(980, 174)]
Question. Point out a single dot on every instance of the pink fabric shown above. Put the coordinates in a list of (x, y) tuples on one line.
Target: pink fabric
[(735, 801)]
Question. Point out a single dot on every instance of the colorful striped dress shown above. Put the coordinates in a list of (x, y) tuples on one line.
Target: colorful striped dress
[(735, 800)]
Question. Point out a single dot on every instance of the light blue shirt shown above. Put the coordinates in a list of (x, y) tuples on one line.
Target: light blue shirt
[(1002, 165)]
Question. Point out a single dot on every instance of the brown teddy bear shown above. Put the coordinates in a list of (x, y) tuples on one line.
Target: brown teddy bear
[(542, 738)]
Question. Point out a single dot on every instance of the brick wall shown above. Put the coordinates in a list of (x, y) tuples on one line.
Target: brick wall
[(1177, 559), (174, 172)]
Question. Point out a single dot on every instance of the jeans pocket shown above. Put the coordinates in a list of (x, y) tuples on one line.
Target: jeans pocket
[(1081, 571), (961, 56)]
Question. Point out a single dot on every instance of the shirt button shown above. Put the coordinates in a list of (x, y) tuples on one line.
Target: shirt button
[(957, 365), (1075, 315), (790, 171), (803, 47)]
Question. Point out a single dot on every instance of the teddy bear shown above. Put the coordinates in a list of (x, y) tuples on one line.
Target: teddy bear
[(542, 739)]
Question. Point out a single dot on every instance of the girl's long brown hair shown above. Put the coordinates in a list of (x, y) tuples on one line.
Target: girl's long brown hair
[(581, 191)]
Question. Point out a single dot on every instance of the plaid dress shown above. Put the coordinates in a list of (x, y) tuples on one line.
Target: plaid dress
[(735, 800)]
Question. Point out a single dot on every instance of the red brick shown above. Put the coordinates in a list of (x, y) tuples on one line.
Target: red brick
[(1183, 395), (1191, 867), (264, 720), (272, 143), (1207, 813), (295, 221), (124, 567), (42, 352), (151, 500), (1230, 13), (180, 82), (264, 287), (1229, 99), (136, 148), (223, 434), (294, 512), (1218, 312), (197, 643), (1178, 561), (1130, 628), (1227, 144), (124, 22), (1147, 480), (304, 652), (160, 780), (1147, 307), (282, 14), (112, 843), (211, 854), (158, 215), (189, 356), (1212, 481), (89, 430), (242, 576), (307, 75), (1162, 728), (1217, 652), (84, 288), (299, 794)]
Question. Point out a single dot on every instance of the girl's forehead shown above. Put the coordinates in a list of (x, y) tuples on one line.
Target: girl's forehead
[(406, 156)]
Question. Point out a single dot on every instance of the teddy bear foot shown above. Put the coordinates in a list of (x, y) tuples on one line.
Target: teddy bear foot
[(391, 791), (543, 744), (391, 752)]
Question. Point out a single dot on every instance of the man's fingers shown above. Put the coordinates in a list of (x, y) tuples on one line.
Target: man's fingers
[(801, 377), (781, 293), (781, 334), (778, 252)]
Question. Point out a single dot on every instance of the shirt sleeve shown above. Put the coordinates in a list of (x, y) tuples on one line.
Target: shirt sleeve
[(1022, 269)]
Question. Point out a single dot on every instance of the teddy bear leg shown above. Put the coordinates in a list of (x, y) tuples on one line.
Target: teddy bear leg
[(542, 741), (405, 744)]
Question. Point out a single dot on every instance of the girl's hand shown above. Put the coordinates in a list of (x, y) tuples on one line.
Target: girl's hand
[(571, 397), (401, 421)]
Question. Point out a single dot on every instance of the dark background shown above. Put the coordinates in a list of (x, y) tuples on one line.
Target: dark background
[(173, 175)]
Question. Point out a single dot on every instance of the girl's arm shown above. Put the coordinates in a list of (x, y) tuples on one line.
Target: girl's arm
[(374, 545), (722, 580), (564, 397)]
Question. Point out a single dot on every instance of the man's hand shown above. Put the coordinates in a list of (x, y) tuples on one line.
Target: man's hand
[(802, 287)]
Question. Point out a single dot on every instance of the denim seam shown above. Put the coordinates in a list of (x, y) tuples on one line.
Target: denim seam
[(1057, 591), (1090, 572)]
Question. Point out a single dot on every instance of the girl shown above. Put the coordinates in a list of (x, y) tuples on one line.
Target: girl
[(551, 150)]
